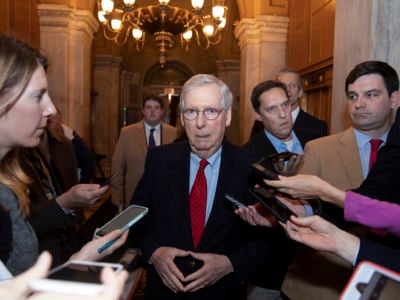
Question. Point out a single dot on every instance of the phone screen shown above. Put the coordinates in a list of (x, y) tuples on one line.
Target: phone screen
[(370, 281), (124, 220), (274, 206), (379, 287), (77, 272), (285, 156), (263, 172), (74, 277)]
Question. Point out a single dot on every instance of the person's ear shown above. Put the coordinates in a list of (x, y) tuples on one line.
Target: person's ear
[(228, 117), (395, 99), (301, 93), (257, 115)]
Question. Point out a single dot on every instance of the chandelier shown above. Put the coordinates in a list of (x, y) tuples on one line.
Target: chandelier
[(167, 24)]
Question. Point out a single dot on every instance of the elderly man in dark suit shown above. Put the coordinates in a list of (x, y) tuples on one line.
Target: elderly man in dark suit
[(272, 106), (206, 253)]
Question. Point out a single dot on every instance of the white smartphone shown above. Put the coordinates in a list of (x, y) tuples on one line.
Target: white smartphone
[(74, 277), (123, 221), (371, 281)]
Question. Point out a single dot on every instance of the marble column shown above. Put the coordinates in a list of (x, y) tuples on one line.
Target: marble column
[(364, 30), (66, 36), (106, 106), (262, 42), (229, 72)]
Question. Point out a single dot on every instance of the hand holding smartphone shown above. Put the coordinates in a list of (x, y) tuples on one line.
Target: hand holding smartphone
[(123, 221), (276, 207), (107, 181), (74, 277), (232, 203)]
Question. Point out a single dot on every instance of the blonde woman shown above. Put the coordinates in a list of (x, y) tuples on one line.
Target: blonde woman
[(25, 106)]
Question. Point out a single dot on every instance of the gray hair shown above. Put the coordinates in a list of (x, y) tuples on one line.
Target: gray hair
[(201, 80), (286, 70)]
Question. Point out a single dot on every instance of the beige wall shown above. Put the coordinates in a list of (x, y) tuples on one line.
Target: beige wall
[(374, 35)]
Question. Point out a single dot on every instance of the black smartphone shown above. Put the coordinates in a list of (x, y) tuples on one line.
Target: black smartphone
[(263, 173), (232, 203), (276, 207), (108, 179), (276, 157)]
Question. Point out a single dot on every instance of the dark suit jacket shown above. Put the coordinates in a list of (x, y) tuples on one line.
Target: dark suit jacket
[(303, 121), (6, 234), (164, 188), (46, 217), (272, 273), (261, 144), (377, 253), (382, 183), (383, 179)]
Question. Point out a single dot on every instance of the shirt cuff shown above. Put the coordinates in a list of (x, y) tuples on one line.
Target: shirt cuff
[(311, 207), (69, 212), (356, 256)]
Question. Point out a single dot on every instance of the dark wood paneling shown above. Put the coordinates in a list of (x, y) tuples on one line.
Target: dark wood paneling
[(310, 52), (19, 18)]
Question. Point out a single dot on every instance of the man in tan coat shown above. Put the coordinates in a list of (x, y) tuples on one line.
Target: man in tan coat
[(343, 160), (131, 149)]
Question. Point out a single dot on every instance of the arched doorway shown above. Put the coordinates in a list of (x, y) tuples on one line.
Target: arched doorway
[(167, 82)]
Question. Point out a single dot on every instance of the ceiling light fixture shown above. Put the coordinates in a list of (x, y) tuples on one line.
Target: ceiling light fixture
[(164, 22)]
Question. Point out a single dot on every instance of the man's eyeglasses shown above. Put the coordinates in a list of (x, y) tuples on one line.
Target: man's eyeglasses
[(209, 113)]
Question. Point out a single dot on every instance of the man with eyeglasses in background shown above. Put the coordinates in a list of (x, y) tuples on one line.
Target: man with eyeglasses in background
[(197, 248), (272, 107), (131, 149)]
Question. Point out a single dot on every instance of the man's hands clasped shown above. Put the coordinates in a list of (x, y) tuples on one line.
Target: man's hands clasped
[(214, 268)]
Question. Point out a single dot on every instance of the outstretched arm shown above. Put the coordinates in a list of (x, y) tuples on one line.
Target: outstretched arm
[(320, 234), (308, 186)]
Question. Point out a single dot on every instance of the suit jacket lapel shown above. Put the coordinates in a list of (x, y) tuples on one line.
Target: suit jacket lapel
[(140, 137), (264, 144), (178, 179), (227, 176)]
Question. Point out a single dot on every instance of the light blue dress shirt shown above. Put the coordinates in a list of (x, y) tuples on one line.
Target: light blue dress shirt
[(281, 146), (364, 148)]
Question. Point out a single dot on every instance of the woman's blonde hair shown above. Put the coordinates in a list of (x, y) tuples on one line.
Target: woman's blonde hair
[(18, 62)]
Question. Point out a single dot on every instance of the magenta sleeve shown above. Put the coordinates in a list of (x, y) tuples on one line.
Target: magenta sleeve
[(372, 213)]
